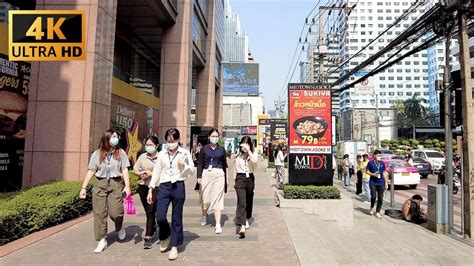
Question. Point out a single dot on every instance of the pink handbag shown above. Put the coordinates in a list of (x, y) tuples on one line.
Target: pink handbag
[(129, 205)]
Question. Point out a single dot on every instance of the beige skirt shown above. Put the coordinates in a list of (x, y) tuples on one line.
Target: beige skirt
[(212, 189)]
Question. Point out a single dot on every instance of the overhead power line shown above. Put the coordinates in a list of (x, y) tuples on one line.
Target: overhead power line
[(421, 23), (412, 8), (298, 44)]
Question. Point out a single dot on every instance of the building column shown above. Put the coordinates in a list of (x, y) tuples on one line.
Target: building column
[(69, 102), (206, 85), (176, 74)]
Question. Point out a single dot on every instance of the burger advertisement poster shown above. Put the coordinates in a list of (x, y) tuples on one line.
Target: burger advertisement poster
[(14, 86), (310, 137)]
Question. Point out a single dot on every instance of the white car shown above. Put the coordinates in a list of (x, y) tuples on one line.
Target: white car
[(388, 154), (435, 158)]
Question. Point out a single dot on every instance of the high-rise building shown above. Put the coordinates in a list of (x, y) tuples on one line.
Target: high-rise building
[(402, 81), (235, 38), (241, 98)]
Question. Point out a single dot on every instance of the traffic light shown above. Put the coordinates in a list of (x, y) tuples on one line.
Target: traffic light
[(456, 101)]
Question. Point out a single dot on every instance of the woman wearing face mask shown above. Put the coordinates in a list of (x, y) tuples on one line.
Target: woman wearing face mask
[(245, 164), (211, 174), (110, 165), (143, 168), (172, 167)]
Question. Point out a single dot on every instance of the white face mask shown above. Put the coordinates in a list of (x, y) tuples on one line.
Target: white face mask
[(113, 141), (214, 140), (172, 146), (150, 149)]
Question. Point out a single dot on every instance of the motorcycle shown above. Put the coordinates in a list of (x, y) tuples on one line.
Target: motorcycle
[(456, 178)]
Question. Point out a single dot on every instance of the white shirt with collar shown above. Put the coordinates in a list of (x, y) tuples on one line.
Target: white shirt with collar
[(167, 170), (246, 165)]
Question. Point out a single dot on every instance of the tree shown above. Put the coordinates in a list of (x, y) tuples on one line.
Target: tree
[(411, 113)]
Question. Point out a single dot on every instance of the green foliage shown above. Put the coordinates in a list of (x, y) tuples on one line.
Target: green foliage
[(43, 206), (428, 142), (412, 113), (454, 142), (435, 141), (400, 153), (442, 143), (394, 141), (133, 181), (405, 142), (271, 165), (311, 192), (437, 145), (40, 207), (415, 142)]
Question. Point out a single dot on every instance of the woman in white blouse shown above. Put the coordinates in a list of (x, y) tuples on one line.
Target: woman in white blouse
[(245, 164), (172, 167)]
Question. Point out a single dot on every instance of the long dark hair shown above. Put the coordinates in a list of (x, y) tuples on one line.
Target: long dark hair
[(105, 147), (278, 149), (247, 140)]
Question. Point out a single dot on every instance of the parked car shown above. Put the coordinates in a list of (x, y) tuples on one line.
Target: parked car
[(423, 167), (435, 158), (402, 172), (386, 153)]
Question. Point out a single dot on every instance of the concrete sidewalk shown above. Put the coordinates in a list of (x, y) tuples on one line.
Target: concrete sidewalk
[(371, 240), (267, 243)]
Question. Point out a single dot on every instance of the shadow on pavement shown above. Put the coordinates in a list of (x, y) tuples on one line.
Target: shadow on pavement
[(188, 238), (134, 232)]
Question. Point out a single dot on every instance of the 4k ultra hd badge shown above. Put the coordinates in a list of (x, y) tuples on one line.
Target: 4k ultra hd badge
[(46, 35)]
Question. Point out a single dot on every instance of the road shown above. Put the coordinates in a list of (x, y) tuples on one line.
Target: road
[(403, 193)]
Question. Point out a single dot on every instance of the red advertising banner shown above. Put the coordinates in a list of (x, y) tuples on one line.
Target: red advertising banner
[(310, 120)]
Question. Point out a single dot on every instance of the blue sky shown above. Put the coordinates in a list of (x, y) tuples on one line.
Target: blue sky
[(273, 28)]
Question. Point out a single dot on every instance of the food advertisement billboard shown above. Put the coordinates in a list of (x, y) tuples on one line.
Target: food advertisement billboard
[(310, 137)]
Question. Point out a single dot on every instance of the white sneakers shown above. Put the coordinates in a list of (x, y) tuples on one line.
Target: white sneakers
[(173, 253), (164, 245), (371, 212), (218, 229), (204, 220), (247, 225), (378, 215), (101, 246), (122, 234)]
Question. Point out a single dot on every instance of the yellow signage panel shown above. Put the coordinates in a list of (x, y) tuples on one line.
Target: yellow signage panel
[(47, 35), (3, 41)]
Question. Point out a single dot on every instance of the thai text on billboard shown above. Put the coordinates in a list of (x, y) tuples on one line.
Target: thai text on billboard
[(310, 137)]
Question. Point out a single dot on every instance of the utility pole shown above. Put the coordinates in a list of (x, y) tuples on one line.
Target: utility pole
[(448, 137), (362, 125), (322, 48), (468, 125), (377, 122)]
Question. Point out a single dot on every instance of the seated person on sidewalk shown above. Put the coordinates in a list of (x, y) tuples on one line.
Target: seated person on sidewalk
[(412, 211)]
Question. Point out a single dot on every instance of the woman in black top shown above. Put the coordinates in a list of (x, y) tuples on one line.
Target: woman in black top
[(211, 174)]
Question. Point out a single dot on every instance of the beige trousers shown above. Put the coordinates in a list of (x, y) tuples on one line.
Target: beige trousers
[(212, 189)]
